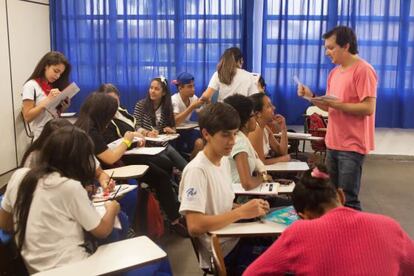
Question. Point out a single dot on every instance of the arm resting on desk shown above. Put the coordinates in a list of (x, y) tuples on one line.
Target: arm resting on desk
[(199, 223), (246, 179)]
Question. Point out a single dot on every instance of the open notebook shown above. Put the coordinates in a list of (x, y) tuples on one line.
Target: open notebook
[(119, 190)]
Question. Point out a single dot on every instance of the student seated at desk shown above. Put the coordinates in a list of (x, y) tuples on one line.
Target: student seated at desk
[(184, 102), (206, 192), (94, 117), (48, 79), (30, 157), (154, 115), (262, 137), (122, 122), (333, 239), (244, 161), (48, 207)]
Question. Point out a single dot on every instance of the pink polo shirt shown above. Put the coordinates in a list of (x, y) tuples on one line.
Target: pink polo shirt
[(341, 242), (347, 132)]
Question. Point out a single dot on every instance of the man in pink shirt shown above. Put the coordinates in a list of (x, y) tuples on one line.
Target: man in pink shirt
[(352, 85)]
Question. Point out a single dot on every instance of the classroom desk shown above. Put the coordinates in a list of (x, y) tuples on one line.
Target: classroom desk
[(288, 167), (126, 172), (113, 257), (300, 136), (264, 189), (250, 229), (187, 126)]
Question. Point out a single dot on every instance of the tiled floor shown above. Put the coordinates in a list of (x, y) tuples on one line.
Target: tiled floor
[(387, 188)]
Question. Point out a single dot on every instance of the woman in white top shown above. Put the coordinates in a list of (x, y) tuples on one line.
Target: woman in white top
[(244, 161), (229, 78), (49, 78), (48, 207), (262, 137)]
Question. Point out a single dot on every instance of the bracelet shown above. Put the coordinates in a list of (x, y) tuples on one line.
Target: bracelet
[(126, 142)]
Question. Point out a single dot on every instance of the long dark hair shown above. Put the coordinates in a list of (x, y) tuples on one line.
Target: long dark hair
[(98, 111), (166, 104), (311, 193), (227, 66), (243, 106), (53, 58), (109, 88), (69, 152), (49, 127), (257, 100)]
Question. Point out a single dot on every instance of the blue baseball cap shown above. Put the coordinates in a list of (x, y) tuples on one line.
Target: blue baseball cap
[(183, 78)]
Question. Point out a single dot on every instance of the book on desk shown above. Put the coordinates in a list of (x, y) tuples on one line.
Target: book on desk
[(285, 216)]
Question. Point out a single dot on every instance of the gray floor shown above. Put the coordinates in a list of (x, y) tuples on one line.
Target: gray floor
[(387, 188)]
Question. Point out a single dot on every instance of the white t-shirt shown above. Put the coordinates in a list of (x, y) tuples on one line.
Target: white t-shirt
[(179, 106), (29, 89), (207, 188), (59, 212), (158, 113), (242, 145), (243, 83)]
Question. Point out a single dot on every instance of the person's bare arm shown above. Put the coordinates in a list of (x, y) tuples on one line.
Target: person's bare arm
[(6, 221), (199, 223), (364, 108), (246, 179)]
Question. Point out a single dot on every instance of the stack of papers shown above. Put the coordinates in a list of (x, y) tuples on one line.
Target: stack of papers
[(70, 91), (162, 138)]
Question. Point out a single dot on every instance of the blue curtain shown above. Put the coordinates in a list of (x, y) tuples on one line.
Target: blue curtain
[(129, 42), (293, 45)]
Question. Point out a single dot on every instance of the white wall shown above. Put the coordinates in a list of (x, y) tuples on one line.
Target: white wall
[(24, 39)]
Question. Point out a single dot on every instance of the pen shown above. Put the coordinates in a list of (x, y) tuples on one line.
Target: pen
[(109, 180), (119, 187)]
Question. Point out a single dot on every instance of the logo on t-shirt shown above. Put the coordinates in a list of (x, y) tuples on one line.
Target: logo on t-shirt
[(191, 193)]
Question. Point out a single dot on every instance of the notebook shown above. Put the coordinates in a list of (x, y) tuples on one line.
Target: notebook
[(284, 216)]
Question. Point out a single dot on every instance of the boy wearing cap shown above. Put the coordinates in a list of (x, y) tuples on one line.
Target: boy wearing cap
[(184, 103)]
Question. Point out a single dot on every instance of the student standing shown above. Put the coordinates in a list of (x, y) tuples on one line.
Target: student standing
[(335, 240), (206, 192), (154, 115), (351, 127), (49, 78), (229, 78), (48, 207)]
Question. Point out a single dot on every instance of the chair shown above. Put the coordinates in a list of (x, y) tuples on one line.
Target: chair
[(27, 129), (218, 265), (196, 245), (316, 121)]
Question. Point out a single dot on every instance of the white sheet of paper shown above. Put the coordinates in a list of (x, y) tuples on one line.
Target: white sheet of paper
[(163, 138), (116, 143), (102, 210), (70, 91), (145, 151)]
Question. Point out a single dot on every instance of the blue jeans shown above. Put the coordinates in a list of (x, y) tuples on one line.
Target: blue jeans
[(345, 170), (176, 158)]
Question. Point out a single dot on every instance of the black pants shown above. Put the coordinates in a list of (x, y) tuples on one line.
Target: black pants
[(159, 180)]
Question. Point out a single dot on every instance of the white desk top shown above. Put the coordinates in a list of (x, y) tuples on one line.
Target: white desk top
[(268, 189), (145, 151), (256, 228), (187, 125), (288, 167), (113, 257), (300, 136), (125, 172)]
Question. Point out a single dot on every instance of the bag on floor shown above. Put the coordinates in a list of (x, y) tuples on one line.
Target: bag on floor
[(149, 219)]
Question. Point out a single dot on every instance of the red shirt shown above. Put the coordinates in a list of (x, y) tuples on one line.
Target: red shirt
[(341, 242), (347, 132)]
